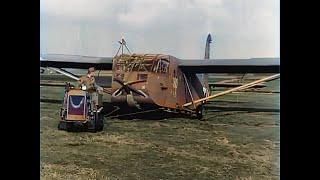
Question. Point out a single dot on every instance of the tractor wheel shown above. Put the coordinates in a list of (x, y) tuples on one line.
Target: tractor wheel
[(199, 112), (96, 124), (69, 126), (62, 126), (100, 122), (92, 126)]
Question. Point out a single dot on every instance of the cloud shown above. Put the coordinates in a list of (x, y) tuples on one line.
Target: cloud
[(240, 29), (81, 9)]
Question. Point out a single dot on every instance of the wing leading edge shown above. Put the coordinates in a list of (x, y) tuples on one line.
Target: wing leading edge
[(253, 65), (75, 61)]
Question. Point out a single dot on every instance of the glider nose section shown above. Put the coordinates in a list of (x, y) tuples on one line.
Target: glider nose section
[(139, 101), (130, 96)]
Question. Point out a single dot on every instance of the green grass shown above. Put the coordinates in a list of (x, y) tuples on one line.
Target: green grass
[(228, 145)]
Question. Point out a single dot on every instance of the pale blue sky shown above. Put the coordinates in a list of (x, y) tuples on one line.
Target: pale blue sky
[(240, 29)]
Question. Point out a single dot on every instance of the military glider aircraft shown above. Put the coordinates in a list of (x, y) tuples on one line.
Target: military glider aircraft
[(143, 84)]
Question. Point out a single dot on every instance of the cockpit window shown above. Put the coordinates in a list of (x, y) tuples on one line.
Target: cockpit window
[(162, 66), (120, 76), (133, 63), (141, 63), (142, 76)]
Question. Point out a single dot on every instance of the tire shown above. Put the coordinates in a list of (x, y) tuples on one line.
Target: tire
[(96, 124), (69, 126), (92, 126), (62, 126), (199, 112), (100, 122)]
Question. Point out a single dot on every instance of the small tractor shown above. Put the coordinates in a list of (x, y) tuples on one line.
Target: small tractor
[(79, 113)]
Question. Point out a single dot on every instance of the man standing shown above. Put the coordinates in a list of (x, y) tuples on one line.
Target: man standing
[(89, 82)]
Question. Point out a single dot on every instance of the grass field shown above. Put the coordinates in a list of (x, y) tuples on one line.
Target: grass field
[(236, 143)]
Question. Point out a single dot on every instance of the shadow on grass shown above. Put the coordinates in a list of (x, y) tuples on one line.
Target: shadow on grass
[(246, 109)]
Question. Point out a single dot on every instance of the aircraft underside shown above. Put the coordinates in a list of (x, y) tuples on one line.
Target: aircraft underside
[(145, 111)]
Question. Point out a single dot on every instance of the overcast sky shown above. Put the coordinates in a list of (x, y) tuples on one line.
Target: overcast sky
[(240, 29)]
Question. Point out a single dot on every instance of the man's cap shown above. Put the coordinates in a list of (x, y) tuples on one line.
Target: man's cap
[(91, 69)]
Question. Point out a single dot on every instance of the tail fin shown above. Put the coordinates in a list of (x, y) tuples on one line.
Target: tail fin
[(205, 77), (207, 50)]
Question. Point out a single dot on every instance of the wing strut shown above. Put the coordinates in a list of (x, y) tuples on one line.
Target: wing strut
[(185, 79), (246, 86), (66, 73)]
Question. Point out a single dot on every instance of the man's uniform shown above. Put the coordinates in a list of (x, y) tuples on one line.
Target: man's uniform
[(92, 88), (89, 82)]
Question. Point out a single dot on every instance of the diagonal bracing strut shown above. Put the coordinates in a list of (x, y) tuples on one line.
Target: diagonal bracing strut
[(246, 86)]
